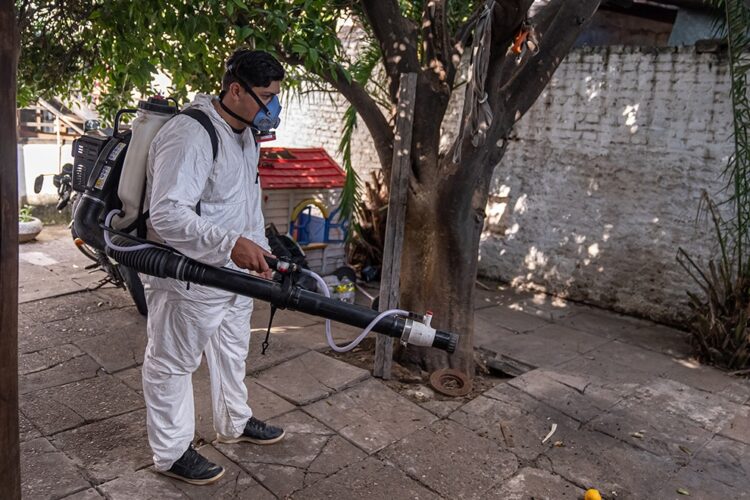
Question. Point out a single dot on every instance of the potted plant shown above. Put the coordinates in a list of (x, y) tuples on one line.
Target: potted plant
[(28, 226)]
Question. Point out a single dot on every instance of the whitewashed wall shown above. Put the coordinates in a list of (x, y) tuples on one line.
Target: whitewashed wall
[(601, 183)]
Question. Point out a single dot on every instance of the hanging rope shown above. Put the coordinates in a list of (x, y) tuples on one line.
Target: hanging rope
[(477, 108)]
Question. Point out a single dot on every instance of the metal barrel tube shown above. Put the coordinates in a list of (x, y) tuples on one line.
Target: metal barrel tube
[(163, 263)]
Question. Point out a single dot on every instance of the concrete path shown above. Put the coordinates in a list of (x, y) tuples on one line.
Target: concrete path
[(634, 416)]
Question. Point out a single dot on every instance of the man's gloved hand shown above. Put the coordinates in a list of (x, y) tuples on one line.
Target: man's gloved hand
[(249, 255)]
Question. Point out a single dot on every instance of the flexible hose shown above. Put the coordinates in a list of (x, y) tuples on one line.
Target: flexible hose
[(329, 337), (108, 241)]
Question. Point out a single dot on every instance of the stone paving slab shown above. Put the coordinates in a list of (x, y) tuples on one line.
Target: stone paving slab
[(486, 332), (48, 473), (593, 460), (721, 461), (36, 283), (308, 453), (370, 479), (26, 429), (537, 304), (58, 408), (529, 350), (89, 494), (313, 337), (667, 397), (280, 349), (46, 358), (310, 377), (73, 329), (77, 304), (515, 421), (144, 483), (568, 339), (658, 433), (109, 448), (738, 391), (739, 427), (370, 415), (706, 378), (509, 319), (536, 484), (121, 347), (660, 338), (132, 377), (603, 323), (71, 370), (634, 357), (452, 460), (574, 396), (596, 367)]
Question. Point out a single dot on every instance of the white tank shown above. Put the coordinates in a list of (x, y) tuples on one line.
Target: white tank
[(151, 115)]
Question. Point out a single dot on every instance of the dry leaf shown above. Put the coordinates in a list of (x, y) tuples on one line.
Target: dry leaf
[(549, 434)]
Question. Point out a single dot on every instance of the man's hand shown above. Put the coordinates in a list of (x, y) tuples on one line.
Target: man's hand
[(249, 255)]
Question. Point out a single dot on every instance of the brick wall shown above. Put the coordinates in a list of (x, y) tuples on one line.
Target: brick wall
[(601, 182)]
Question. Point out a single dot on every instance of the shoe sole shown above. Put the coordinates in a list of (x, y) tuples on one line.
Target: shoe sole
[(246, 439), (199, 482)]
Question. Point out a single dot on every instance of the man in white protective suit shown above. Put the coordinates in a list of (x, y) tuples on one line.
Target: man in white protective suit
[(210, 210)]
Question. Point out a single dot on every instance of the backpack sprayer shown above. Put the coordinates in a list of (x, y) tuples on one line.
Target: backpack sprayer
[(106, 166)]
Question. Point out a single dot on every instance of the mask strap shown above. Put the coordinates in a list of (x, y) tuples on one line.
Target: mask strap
[(230, 112), (249, 90)]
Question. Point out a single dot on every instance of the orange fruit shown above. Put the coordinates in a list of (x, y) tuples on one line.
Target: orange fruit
[(592, 494)]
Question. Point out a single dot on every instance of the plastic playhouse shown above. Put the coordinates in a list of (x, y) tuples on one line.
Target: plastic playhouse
[(301, 191)]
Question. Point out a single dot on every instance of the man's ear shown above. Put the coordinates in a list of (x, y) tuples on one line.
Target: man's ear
[(234, 90)]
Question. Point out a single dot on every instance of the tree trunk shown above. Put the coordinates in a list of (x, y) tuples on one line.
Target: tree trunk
[(444, 223), (10, 482)]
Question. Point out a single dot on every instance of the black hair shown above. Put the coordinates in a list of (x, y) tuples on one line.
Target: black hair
[(255, 68)]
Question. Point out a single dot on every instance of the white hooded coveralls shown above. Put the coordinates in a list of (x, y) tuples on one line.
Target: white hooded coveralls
[(185, 322)]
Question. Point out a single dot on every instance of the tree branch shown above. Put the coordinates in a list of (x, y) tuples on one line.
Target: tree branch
[(366, 106), (397, 38), (558, 26), (435, 37), (514, 89)]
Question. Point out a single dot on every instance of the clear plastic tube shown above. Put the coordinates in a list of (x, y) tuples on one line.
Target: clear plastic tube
[(108, 241), (324, 288)]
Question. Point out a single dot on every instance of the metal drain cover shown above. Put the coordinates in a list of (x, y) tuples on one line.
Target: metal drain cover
[(450, 382)]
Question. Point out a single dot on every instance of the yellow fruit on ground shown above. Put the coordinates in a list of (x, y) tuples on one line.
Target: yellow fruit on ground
[(592, 494)]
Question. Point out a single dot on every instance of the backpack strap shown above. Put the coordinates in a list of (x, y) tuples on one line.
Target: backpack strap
[(205, 121)]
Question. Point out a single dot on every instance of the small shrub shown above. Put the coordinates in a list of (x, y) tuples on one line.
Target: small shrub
[(24, 214)]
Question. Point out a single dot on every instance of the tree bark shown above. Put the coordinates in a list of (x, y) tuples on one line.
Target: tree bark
[(10, 482)]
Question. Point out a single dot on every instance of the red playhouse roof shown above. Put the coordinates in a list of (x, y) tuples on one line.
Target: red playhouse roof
[(299, 168)]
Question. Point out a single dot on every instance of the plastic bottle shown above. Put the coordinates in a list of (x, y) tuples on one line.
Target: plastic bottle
[(346, 290)]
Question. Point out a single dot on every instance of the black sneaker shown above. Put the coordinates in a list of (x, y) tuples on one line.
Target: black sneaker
[(256, 431), (194, 468)]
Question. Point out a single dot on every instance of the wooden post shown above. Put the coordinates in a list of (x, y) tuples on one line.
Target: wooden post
[(10, 474), (394, 229)]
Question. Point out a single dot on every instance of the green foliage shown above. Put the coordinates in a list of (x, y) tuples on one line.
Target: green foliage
[(107, 50), (720, 316), (24, 214)]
